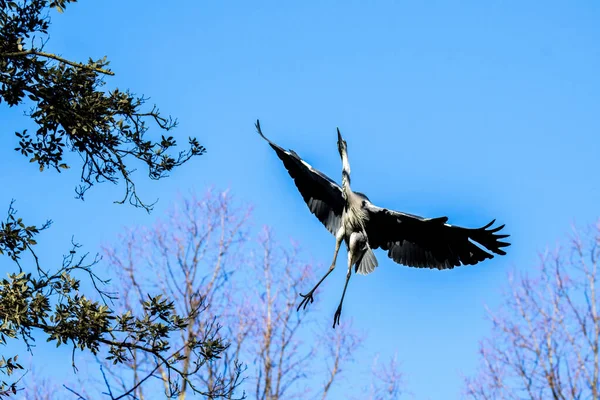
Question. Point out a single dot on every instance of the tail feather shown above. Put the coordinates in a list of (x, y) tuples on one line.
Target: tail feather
[(367, 263)]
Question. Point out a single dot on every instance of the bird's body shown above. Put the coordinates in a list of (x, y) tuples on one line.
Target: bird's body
[(409, 239), (355, 218)]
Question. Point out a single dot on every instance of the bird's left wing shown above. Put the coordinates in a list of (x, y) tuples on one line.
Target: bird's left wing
[(322, 195), (430, 242)]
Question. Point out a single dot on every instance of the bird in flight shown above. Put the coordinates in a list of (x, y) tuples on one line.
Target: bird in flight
[(408, 239)]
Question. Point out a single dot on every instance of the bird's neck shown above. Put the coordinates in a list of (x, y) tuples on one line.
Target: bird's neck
[(345, 175)]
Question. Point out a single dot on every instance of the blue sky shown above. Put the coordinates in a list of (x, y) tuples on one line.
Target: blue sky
[(474, 110)]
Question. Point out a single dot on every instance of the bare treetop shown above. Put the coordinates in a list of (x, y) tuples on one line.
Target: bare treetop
[(545, 341), (249, 282)]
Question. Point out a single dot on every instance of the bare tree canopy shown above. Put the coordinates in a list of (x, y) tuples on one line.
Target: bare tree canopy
[(249, 283), (546, 338), (388, 380)]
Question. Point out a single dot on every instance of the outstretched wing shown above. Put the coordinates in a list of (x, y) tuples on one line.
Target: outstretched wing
[(322, 195), (430, 242)]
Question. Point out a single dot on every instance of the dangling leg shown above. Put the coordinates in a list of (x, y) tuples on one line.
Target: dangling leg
[(338, 312), (356, 251), (309, 297)]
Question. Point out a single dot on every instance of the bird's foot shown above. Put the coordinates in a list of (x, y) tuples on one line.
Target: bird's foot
[(306, 298), (336, 317)]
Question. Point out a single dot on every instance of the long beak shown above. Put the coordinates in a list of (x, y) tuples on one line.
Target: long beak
[(339, 135)]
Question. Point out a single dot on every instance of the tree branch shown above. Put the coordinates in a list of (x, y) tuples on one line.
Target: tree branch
[(57, 58)]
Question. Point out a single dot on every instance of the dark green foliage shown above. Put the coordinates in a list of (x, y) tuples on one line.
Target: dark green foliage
[(73, 113), (53, 304), (108, 130), (15, 237)]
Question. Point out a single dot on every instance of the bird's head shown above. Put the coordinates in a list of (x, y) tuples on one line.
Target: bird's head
[(342, 146)]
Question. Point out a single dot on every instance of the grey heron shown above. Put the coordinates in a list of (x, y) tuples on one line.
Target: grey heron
[(409, 239)]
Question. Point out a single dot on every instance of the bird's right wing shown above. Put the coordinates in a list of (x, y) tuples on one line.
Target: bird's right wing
[(322, 195), (430, 242)]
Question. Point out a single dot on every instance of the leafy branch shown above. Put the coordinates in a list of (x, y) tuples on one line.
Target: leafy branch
[(73, 113), (53, 304)]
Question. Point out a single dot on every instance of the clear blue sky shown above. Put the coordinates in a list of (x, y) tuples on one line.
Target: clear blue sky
[(475, 110)]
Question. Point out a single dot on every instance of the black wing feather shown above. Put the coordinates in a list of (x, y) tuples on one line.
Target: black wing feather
[(322, 195), (430, 242)]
